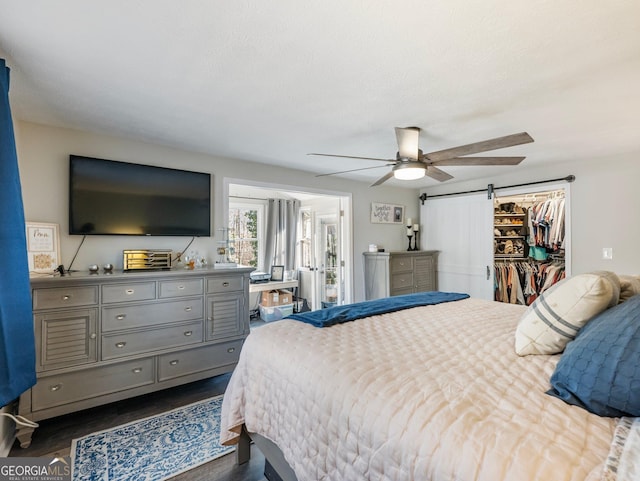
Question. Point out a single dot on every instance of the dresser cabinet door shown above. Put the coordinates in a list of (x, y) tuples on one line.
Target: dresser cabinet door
[(66, 338), (425, 279), (225, 316)]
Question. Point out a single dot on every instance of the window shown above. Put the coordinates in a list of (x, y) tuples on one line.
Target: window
[(246, 231), (305, 257)]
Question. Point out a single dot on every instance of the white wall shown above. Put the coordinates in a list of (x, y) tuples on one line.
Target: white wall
[(604, 207), (43, 157)]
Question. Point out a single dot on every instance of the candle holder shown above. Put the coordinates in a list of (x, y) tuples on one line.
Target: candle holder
[(415, 241), (409, 237)]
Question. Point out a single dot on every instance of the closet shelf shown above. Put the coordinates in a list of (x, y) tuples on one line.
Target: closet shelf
[(509, 237), (507, 225), (508, 215), (509, 256)]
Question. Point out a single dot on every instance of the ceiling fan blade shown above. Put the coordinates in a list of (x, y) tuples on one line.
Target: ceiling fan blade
[(352, 170), (352, 157), (479, 161), (437, 174), (382, 179), (408, 139), (484, 146)]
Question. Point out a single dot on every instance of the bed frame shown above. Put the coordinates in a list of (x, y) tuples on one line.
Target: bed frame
[(276, 467)]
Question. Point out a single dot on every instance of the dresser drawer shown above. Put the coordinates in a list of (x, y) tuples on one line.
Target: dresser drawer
[(401, 264), (128, 344), (196, 360), (115, 318), (181, 288), (56, 297), (132, 291), (80, 385), (402, 281), (224, 284)]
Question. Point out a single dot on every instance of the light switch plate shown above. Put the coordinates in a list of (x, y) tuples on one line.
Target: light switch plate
[(607, 253)]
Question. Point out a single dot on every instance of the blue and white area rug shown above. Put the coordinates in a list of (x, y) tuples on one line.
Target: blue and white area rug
[(154, 448)]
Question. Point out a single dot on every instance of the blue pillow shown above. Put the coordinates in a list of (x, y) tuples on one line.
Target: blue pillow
[(600, 368)]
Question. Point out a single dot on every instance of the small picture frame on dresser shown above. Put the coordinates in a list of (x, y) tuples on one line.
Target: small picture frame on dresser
[(277, 273), (43, 247)]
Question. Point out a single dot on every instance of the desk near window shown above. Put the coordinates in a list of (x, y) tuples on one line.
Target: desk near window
[(272, 285)]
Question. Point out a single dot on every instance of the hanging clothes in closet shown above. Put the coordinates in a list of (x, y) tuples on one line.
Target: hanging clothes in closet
[(529, 235), (523, 282), (546, 227)]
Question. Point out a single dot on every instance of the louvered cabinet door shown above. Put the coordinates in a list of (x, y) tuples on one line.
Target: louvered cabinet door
[(225, 316), (66, 338)]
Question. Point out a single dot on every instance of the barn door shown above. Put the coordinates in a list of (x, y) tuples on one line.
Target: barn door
[(460, 227)]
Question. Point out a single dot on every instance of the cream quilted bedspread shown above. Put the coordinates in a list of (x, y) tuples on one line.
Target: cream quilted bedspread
[(430, 393)]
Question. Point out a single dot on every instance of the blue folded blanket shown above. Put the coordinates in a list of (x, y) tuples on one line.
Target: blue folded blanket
[(351, 312)]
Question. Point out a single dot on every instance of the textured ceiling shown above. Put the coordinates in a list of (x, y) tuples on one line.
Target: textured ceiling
[(272, 81)]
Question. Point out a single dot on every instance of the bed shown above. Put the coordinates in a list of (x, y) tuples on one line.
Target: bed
[(433, 392)]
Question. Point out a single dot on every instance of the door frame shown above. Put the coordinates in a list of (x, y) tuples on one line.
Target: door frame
[(470, 272), (346, 209)]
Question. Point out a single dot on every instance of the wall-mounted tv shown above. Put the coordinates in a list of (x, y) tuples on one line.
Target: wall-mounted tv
[(108, 197)]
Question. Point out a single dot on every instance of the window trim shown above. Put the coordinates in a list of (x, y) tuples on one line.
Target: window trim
[(260, 206)]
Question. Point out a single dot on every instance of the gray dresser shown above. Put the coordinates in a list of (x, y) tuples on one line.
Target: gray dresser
[(106, 337), (396, 273)]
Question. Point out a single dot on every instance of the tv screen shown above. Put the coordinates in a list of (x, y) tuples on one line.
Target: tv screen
[(108, 197)]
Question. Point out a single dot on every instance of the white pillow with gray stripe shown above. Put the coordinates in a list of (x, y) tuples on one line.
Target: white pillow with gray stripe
[(554, 318)]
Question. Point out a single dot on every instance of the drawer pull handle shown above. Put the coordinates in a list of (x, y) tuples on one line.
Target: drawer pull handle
[(174, 362), (121, 344), (55, 387), (136, 370), (121, 316), (188, 309), (92, 335), (129, 291), (225, 284), (231, 349), (181, 287), (66, 297), (188, 333)]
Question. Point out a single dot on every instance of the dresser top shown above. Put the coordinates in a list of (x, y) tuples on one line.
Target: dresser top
[(400, 253), (85, 277)]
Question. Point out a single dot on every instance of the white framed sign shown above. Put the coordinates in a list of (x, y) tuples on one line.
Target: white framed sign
[(43, 247)]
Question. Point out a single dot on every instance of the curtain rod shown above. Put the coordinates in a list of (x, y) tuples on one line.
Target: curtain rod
[(491, 188)]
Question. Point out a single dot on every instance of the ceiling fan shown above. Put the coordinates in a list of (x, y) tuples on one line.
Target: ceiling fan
[(411, 163)]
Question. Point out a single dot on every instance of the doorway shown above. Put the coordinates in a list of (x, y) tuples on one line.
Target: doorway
[(461, 228), (324, 256)]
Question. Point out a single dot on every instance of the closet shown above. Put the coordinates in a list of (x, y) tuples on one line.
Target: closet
[(528, 244)]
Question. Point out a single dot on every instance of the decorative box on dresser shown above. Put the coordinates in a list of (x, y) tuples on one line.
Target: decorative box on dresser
[(396, 273), (105, 337)]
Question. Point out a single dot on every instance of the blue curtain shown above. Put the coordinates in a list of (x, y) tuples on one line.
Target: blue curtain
[(17, 346)]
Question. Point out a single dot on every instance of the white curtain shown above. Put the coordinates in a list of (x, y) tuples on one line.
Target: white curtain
[(281, 233)]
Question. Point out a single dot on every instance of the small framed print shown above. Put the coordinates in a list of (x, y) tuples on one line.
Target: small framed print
[(277, 273), (43, 247), (386, 213)]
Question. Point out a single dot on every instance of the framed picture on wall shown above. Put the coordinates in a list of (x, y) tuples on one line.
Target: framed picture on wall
[(386, 213), (43, 247), (277, 273)]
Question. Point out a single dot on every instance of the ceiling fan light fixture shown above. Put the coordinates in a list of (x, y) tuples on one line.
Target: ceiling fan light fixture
[(409, 171)]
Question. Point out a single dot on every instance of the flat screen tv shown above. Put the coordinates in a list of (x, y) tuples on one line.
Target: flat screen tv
[(108, 197)]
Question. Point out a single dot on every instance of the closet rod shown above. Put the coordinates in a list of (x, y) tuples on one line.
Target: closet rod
[(490, 188)]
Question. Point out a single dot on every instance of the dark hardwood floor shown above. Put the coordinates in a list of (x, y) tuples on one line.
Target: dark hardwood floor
[(54, 435)]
